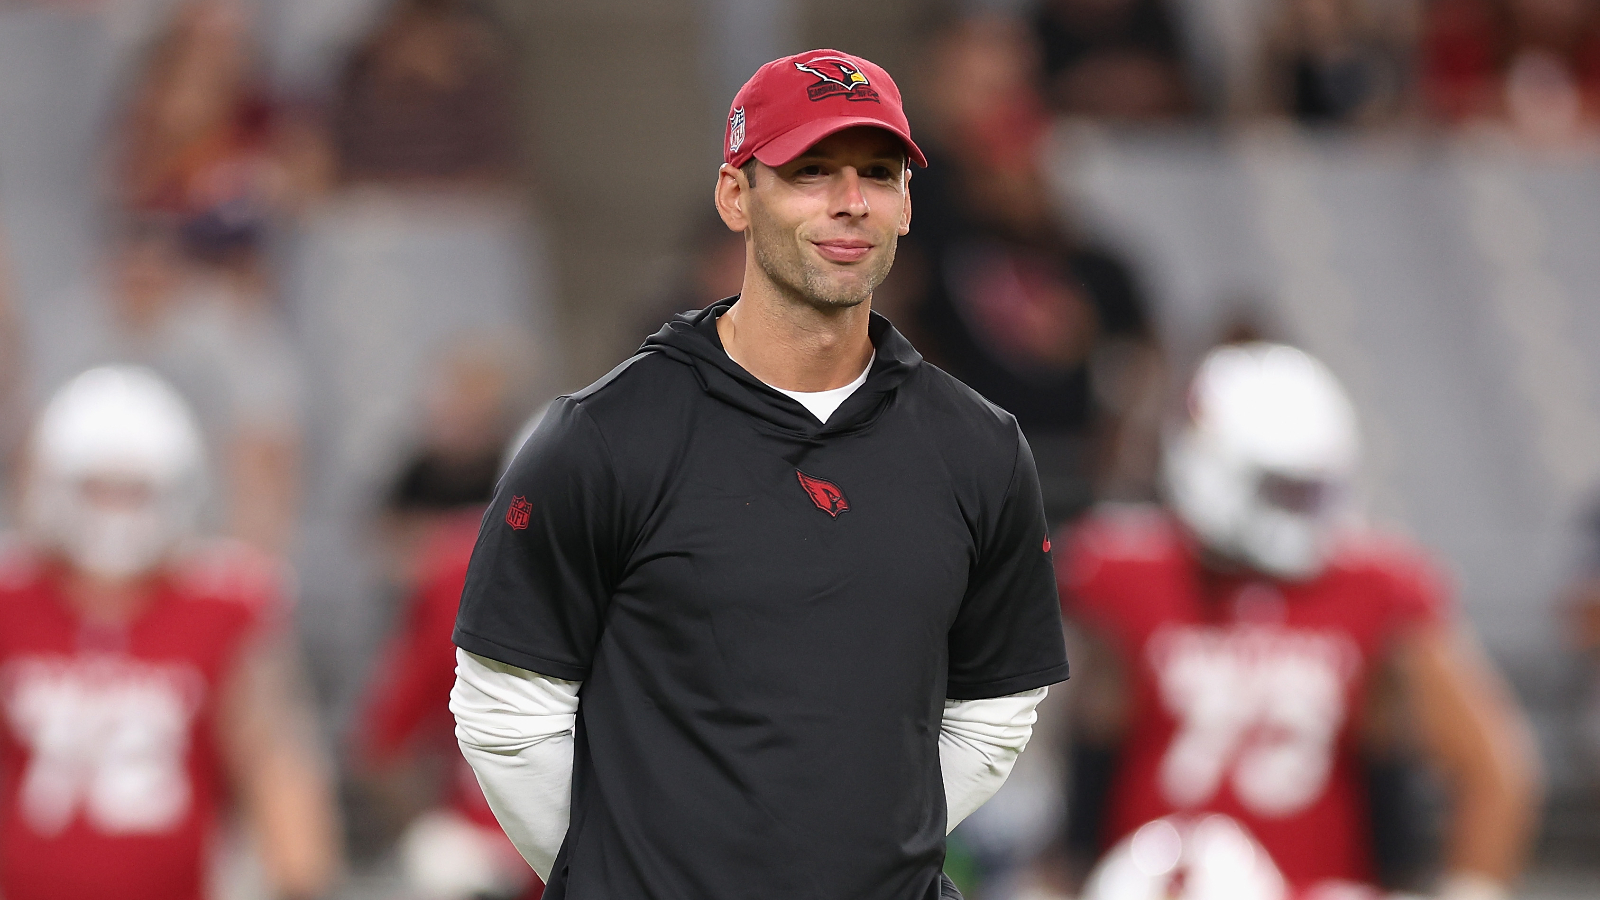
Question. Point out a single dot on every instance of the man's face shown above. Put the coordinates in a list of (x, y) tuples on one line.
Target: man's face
[(823, 226)]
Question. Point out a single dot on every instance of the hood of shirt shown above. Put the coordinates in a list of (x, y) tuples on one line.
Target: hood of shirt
[(691, 338)]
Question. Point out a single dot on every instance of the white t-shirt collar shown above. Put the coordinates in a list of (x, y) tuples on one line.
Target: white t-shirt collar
[(822, 404)]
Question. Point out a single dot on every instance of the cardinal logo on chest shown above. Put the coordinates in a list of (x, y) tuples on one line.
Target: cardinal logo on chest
[(825, 494)]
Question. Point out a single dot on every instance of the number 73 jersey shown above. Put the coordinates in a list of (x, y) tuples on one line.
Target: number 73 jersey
[(1245, 692)]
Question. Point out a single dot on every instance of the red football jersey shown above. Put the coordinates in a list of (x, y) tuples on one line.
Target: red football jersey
[(1244, 690), (110, 773)]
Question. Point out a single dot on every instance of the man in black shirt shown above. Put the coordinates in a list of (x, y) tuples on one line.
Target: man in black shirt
[(771, 604)]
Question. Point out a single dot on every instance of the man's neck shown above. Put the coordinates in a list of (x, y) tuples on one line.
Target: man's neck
[(793, 345)]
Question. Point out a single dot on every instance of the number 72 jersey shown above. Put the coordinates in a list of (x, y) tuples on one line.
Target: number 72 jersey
[(111, 774), (1245, 692)]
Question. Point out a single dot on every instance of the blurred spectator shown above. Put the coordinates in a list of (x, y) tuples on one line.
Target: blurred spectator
[(1340, 62), (473, 401), (429, 98), (1119, 60), (203, 142), (450, 845), (202, 173), (1009, 299), (425, 238), (1533, 64), (145, 675), (210, 329)]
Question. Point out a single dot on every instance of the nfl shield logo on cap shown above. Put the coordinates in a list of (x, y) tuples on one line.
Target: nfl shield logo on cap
[(736, 129)]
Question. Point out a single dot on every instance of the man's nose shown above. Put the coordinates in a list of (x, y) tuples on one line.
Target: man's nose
[(849, 201)]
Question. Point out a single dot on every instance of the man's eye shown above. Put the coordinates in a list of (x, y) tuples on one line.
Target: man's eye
[(809, 171), (881, 173)]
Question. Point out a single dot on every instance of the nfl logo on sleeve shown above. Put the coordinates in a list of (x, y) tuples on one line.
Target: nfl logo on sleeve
[(517, 514)]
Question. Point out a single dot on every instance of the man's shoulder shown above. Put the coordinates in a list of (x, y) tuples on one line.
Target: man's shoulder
[(22, 565), (620, 422), (229, 580), (638, 386), (1384, 567), (958, 411)]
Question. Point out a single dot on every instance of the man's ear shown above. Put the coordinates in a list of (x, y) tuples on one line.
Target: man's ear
[(905, 210), (731, 196)]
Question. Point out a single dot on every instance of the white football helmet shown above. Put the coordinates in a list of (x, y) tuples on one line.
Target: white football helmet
[(444, 856), (115, 471), (1210, 857), (1265, 465)]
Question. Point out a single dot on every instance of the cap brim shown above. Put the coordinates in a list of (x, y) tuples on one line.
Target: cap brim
[(785, 147)]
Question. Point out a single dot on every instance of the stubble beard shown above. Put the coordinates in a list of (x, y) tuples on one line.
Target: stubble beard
[(809, 281)]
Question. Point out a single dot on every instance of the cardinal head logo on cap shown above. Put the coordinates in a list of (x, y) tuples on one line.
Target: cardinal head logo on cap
[(837, 75)]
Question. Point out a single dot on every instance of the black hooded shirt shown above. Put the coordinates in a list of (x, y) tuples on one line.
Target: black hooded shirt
[(767, 614)]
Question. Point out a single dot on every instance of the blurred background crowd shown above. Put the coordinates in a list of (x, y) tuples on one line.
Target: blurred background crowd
[(367, 239)]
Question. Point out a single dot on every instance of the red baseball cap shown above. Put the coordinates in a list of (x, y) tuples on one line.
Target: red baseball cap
[(793, 102)]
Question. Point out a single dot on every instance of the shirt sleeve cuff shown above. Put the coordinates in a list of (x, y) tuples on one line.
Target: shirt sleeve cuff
[(511, 656), (1016, 684)]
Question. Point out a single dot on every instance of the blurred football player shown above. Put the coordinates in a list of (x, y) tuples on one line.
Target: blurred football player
[(455, 849), (1250, 646), (145, 677)]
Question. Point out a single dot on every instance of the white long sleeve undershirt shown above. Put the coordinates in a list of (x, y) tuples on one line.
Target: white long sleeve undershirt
[(979, 742), (515, 729)]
